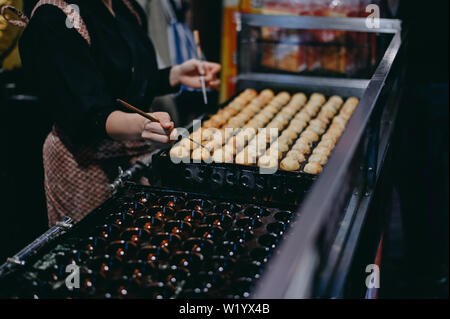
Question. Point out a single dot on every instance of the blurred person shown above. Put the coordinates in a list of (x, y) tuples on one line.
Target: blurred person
[(9, 35)]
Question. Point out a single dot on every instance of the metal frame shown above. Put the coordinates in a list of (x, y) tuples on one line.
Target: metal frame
[(304, 267), (318, 23)]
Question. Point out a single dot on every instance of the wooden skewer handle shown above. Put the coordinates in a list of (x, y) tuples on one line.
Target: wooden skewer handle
[(142, 113), (197, 41)]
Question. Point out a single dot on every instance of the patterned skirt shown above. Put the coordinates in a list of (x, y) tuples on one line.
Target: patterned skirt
[(77, 181)]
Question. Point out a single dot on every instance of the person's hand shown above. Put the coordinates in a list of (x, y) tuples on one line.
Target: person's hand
[(190, 71), (159, 133)]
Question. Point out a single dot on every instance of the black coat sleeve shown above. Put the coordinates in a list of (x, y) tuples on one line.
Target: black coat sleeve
[(58, 61)]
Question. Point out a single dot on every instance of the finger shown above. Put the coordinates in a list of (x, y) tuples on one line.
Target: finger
[(214, 68), (200, 67), (209, 77), (164, 119), (156, 128), (214, 84), (174, 135), (164, 139)]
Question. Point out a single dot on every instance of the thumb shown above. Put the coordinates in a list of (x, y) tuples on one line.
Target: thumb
[(200, 68)]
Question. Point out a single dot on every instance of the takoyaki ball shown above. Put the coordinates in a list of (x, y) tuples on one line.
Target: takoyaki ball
[(322, 150), (327, 143), (302, 148), (259, 102), (284, 139), (284, 96), (179, 152), (271, 124), (327, 113), (228, 132), (345, 116), (350, 105), (267, 94), (234, 122), (219, 119), (252, 124), (338, 120), (329, 137), (274, 152), (313, 168), (261, 144), (311, 110), (254, 108), (240, 141), (290, 111), (337, 133), (268, 161), (213, 145), (221, 135), (319, 159), (240, 100), (276, 104), (318, 98), (244, 118), (297, 125), (281, 119), (330, 108), (292, 133), (296, 108), (275, 125), (231, 145), (304, 140), (236, 106), (290, 165), (187, 144), (228, 112), (253, 149), (310, 135), (303, 116), (299, 98), (221, 156), (208, 124), (260, 123), (282, 146), (271, 134), (318, 123), (201, 154), (207, 133), (297, 155), (245, 158), (245, 114), (316, 129), (286, 117), (249, 93), (264, 115), (336, 102), (336, 127), (323, 118), (245, 135)]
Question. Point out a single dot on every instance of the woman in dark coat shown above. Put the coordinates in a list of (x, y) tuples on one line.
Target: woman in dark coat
[(81, 58)]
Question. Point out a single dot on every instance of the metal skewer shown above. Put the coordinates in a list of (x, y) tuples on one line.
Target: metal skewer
[(200, 57)]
